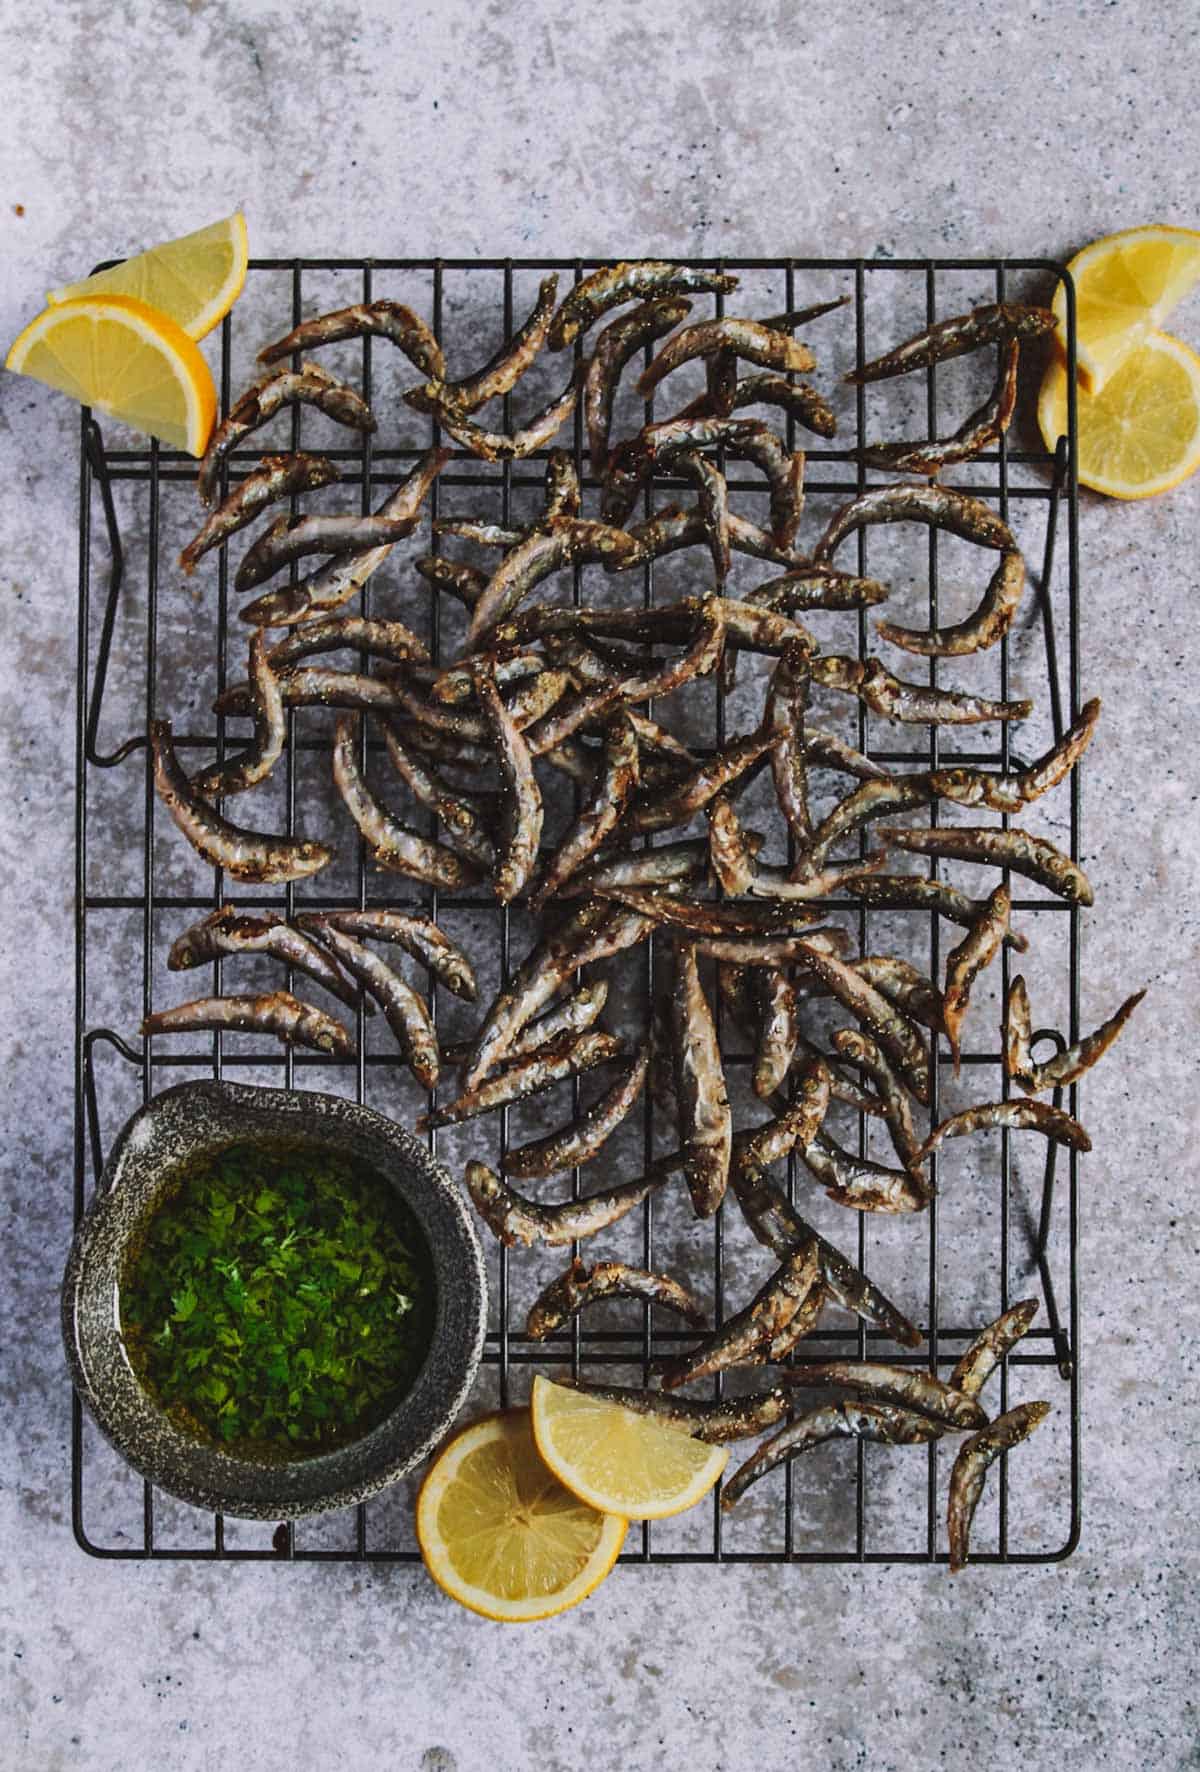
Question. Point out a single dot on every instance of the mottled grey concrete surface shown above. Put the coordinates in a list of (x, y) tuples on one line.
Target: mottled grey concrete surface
[(684, 128)]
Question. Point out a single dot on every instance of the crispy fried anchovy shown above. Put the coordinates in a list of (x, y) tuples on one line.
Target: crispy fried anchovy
[(992, 325), (716, 1423), (523, 800), (315, 686), (991, 1346), (798, 1125), (773, 950), (599, 818), (1011, 792), (1068, 1066), (984, 427), (889, 1026), (276, 477), (861, 1184), (514, 1219), (640, 281), (465, 582), (572, 1016), (922, 1392), (746, 438), (360, 633), (778, 1030), (392, 844), (817, 587), (1035, 857), (861, 1050), (456, 685), (884, 694), (917, 892), (504, 370), (780, 1228), (783, 717), (571, 1055), (377, 319), (309, 385), (965, 962), (701, 918), (595, 932), (713, 490), (575, 711), (1016, 1116), (746, 1337), (937, 506), (277, 1013), (290, 538), (664, 866), (578, 1143), (738, 993), (909, 989), (256, 762), (777, 883), (883, 1422), (581, 1286), (988, 625), (749, 340), (798, 399), (405, 1011), (975, 1458), (343, 576), (499, 445), (229, 931), (872, 800), (613, 349), (484, 535), (1018, 1035), (462, 816), (705, 1122), (671, 529), (247, 855), (827, 751), (444, 747), (540, 554), (700, 659), (563, 496), (730, 856), (681, 801), (417, 935)]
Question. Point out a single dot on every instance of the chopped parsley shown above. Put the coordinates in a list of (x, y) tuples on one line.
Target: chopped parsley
[(281, 1301)]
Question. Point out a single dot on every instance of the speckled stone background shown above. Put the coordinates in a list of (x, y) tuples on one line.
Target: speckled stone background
[(496, 128)]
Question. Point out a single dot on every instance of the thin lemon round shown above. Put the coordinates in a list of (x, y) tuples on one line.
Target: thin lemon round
[(618, 1460), (194, 280), (1126, 286), (501, 1535), (119, 356), (1141, 434)]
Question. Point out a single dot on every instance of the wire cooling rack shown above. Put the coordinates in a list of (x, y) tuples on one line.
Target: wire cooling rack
[(150, 645)]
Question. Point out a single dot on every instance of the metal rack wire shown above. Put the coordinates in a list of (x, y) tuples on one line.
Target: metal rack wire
[(1052, 1241)]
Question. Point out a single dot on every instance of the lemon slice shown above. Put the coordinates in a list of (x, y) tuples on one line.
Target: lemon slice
[(501, 1535), (1126, 286), (118, 355), (1141, 434), (194, 280), (619, 1461)]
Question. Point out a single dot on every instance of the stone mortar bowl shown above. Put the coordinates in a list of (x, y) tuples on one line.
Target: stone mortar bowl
[(181, 1127)]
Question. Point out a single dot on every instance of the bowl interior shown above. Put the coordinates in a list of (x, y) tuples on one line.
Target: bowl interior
[(175, 1133)]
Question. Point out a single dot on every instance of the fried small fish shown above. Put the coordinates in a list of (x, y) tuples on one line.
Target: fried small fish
[(276, 1012), (581, 1286), (516, 1220), (975, 1458), (994, 324)]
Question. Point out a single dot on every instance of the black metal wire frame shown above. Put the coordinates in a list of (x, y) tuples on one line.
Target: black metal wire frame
[(1054, 1346)]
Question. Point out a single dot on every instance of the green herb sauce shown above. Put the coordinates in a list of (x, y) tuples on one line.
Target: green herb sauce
[(281, 1301)]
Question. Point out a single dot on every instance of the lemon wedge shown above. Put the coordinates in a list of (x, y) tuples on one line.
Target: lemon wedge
[(619, 1461), (123, 358), (501, 1535), (194, 280), (1126, 286), (1141, 434)]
